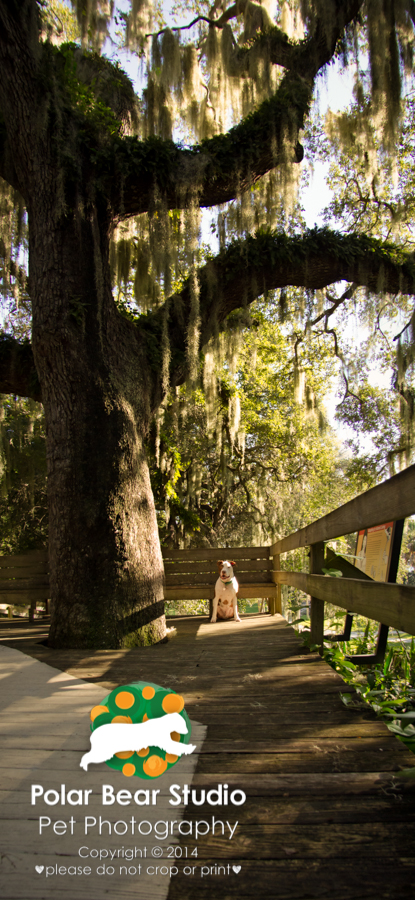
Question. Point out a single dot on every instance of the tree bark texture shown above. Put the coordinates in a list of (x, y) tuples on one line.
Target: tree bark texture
[(105, 559)]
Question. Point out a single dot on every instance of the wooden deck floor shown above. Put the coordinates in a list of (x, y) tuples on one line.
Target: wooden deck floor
[(327, 814)]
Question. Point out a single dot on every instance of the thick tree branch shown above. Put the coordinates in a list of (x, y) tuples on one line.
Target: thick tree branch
[(222, 167), (215, 171), (248, 269), (17, 369), (233, 280), (308, 56)]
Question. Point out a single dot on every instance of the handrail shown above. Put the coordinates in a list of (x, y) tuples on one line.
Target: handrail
[(393, 499), (391, 604)]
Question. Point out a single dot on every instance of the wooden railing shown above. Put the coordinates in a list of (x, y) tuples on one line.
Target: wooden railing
[(391, 604), (24, 579), (192, 574)]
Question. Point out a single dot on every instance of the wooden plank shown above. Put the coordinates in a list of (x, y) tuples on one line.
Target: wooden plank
[(312, 784), (24, 597), (270, 763), (185, 578), (24, 572), (202, 580), (189, 593), (323, 745), (320, 841), (24, 584), (393, 604), (250, 592), (217, 553), (307, 811), (391, 500), (24, 559), (242, 565), (378, 878)]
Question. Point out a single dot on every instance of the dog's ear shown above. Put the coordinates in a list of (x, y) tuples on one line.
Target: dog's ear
[(232, 563), (219, 563)]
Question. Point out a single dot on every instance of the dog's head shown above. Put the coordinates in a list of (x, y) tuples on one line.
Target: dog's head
[(177, 723), (225, 569)]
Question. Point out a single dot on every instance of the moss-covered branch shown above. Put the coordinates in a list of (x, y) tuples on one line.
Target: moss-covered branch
[(267, 261), (234, 279), (220, 168), (215, 171), (305, 57)]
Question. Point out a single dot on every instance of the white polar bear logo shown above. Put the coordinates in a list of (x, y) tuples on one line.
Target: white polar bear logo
[(116, 737)]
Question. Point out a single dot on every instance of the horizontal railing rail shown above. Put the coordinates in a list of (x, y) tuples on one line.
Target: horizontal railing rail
[(390, 604), (393, 499), (192, 573)]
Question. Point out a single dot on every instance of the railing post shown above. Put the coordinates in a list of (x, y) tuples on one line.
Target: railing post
[(317, 606), (276, 601)]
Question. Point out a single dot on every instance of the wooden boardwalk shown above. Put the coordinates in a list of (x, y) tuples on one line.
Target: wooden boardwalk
[(327, 814)]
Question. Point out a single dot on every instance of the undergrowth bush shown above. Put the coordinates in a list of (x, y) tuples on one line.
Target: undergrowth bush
[(388, 687)]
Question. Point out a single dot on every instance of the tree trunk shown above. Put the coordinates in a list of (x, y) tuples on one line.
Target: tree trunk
[(106, 567)]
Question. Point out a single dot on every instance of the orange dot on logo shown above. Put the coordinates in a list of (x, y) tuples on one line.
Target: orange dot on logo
[(148, 693), (124, 700), (143, 752), (172, 703), (122, 719), (154, 766), (171, 758), (97, 711), (128, 769), (124, 754)]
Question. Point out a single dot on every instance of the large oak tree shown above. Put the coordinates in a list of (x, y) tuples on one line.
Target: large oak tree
[(69, 146)]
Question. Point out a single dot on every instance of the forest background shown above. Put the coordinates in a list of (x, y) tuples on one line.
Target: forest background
[(246, 452)]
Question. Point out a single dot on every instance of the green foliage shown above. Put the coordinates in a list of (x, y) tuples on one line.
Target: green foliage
[(389, 687), (23, 501), (231, 464), (374, 195), (406, 573), (373, 413), (58, 21)]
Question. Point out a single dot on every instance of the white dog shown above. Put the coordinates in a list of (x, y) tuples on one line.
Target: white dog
[(225, 601), (118, 736)]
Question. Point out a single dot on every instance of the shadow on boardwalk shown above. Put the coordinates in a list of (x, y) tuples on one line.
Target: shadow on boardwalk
[(326, 813)]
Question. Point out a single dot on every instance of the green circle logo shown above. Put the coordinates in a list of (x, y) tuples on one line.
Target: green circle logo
[(137, 703)]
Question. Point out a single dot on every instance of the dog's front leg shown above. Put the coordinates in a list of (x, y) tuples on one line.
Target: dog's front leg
[(214, 609), (235, 609)]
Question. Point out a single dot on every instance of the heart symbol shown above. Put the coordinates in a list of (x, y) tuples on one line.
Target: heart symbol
[(39, 869), (236, 869)]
